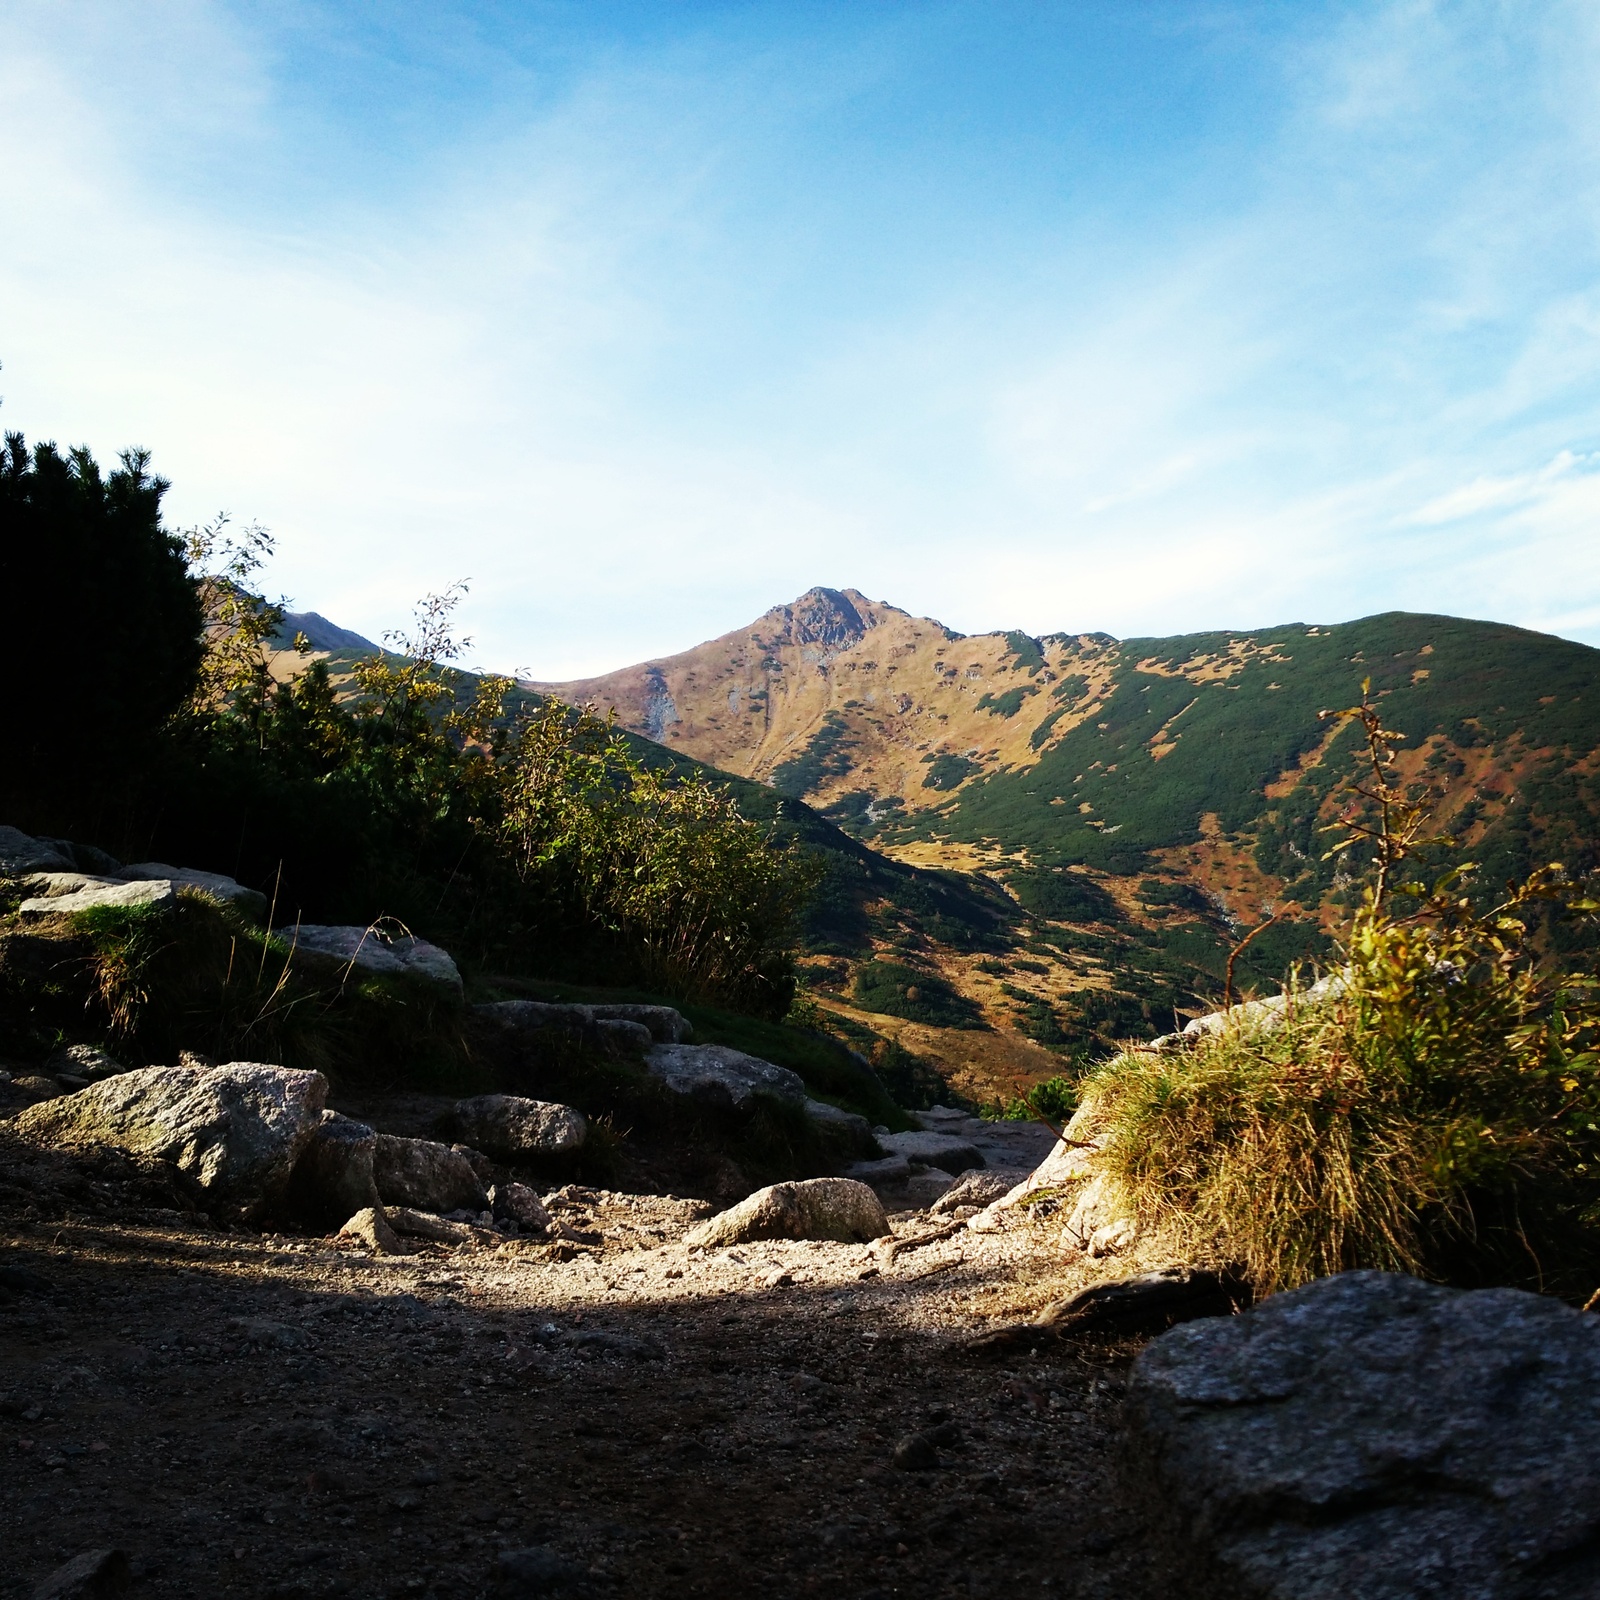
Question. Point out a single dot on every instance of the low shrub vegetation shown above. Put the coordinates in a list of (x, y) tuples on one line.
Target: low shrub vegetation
[(1435, 1110)]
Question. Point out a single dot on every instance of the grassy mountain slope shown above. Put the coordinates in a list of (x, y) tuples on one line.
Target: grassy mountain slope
[(1138, 802)]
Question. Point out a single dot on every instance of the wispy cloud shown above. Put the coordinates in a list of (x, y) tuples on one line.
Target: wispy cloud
[(646, 332)]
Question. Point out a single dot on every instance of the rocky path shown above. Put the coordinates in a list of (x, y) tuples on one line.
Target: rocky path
[(270, 1416)]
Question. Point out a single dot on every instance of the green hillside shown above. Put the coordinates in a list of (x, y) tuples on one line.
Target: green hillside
[(1510, 720)]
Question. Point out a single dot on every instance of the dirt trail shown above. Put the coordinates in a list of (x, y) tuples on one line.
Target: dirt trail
[(262, 1415)]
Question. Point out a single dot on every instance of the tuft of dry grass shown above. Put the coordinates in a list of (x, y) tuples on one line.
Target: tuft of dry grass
[(1287, 1152)]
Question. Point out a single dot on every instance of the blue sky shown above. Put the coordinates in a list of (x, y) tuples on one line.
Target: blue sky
[(1132, 315)]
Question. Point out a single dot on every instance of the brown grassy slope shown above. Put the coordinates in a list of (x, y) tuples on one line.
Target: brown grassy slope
[(905, 689)]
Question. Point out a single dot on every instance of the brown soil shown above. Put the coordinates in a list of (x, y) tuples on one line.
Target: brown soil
[(262, 1414)]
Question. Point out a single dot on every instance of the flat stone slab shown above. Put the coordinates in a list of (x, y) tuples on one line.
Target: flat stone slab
[(130, 896), (946, 1151), (1001, 1144), (889, 1173), (719, 1075), (367, 951), (666, 1025), (1374, 1437), (250, 901)]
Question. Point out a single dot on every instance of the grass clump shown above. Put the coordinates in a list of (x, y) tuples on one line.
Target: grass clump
[(1434, 1110)]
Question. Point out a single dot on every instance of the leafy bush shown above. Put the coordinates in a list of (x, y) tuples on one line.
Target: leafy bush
[(1053, 1102)]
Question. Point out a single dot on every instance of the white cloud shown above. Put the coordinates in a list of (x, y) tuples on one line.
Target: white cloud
[(574, 359)]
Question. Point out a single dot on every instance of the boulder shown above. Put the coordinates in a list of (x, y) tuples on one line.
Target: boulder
[(334, 1176), (131, 896), (666, 1025), (517, 1129), (370, 1226), (21, 855), (837, 1120), (978, 1188), (543, 1027), (94, 1575), (817, 1208), (250, 901), (51, 885), (623, 1037), (371, 952), (36, 1087), (889, 1173), (532, 1032), (933, 1150), (718, 1075), (516, 1202), (426, 1175), (85, 1061), (925, 1187), (1374, 1437), (85, 857), (237, 1130)]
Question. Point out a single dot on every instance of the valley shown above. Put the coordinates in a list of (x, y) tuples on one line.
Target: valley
[(1106, 818)]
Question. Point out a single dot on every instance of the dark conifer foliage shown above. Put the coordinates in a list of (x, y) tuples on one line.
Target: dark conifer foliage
[(100, 623)]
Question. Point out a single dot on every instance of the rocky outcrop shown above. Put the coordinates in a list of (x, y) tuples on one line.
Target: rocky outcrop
[(979, 1188), (1373, 1437), (56, 868), (236, 1130), (86, 1061), (1258, 1016), (250, 901), (718, 1075), (425, 1175), (1066, 1181), (509, 1126), (818, 1208), (22, 856), (365, 951)]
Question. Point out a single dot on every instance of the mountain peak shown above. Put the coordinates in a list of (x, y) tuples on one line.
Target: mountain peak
[(824, 616)]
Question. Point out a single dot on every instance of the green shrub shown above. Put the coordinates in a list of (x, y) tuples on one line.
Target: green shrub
[(900, 991), (1062, 896), (1053, 1102), (947, 771)]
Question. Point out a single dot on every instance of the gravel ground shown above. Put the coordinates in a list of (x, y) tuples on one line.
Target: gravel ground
[(251, 1414)]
